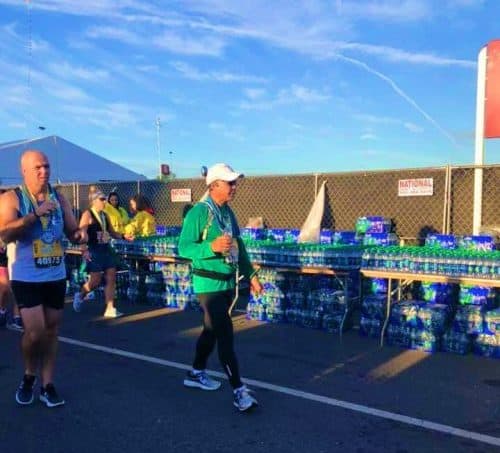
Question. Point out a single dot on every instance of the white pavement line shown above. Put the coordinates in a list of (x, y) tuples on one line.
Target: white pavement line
[(418, 422)]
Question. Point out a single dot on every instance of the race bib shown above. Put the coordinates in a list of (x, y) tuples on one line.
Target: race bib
[(47, 255)]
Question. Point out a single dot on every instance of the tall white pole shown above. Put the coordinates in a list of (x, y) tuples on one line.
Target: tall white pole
[(158, 147), (479, 141)]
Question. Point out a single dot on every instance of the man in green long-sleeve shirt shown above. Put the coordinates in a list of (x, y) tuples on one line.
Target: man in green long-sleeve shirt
[(210, 237)]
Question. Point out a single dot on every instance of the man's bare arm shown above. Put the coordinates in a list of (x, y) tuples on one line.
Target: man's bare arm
[(12, 227)]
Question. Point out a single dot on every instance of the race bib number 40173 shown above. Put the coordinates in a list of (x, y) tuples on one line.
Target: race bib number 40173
[(47, 255)]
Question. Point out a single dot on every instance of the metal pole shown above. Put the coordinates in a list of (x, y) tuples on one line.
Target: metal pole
[(479, 141), (445, 204), (78, 198), (74, 199), (450, 195), (158, 145)]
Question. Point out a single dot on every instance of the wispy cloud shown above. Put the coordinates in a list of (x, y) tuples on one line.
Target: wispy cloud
[(178, 42), (111, 116), (15, 95), (68, 71), (373, 119), (17, 124), (295, 94), (304, 94), (99, 8), (151, 68), (190, 72), (314, 29), (400, 56), (387, 10), (317, 29), (175, 43), (413, 128), (254, 93), (114, 33), (107, 116)]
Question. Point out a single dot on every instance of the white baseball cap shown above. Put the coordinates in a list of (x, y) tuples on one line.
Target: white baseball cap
[(221, 172)]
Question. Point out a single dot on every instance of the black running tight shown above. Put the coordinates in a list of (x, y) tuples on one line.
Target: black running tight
[(217, 328)]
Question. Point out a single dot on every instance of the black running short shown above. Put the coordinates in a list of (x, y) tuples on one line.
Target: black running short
[(32, 294), (3, 259)]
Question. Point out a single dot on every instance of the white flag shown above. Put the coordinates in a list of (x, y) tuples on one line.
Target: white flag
[(310, 231)]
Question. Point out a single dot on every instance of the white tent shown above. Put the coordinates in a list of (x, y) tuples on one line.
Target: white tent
[(69, 162)]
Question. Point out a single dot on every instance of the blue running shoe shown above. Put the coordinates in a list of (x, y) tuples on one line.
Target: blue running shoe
[(201, 380), (243, 401), (24, 393), (49, 396)]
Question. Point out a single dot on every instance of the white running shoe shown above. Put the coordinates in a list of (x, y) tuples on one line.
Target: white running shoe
[(112, 313)]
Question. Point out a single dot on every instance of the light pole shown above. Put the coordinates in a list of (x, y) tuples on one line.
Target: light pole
[(158, 146)]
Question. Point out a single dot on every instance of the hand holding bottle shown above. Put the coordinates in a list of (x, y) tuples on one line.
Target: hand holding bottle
[(222, 244)]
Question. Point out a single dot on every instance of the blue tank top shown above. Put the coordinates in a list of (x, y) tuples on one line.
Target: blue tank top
[(38, 256)]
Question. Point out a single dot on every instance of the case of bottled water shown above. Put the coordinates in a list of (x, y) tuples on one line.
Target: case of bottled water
[(345, 238), (380, 239), (374, 306), (370, 327), (332, 322), (487, 345), (477, 295), (469, 319), (373, 224), (439, 293), (479, 243), (492, 321), (399, 335), (326, 236), (456, 342), (446, 241), (433, 318), (405, 313), (375, 286), (425, 340)]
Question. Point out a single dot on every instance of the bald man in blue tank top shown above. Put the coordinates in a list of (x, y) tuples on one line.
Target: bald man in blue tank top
[(33, 220)]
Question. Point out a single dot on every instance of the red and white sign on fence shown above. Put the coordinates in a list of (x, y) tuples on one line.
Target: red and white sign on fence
[(180, 195), (415, 187)]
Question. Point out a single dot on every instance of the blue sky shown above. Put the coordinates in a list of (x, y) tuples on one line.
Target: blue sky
[(271, 87)]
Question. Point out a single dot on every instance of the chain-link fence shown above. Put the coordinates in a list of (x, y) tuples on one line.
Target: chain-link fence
[(285, 201), (462, 198)]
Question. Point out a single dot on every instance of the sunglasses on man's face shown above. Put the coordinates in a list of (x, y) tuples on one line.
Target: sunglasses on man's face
[(102, 199), (231, 183)]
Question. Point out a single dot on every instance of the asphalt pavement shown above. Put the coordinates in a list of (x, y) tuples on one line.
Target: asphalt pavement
[(122, 381)]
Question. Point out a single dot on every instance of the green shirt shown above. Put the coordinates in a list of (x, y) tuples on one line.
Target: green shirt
[(199, 251)]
